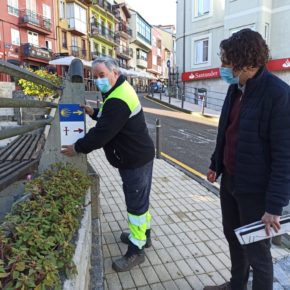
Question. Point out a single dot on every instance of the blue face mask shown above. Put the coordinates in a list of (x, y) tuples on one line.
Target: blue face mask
[(227, 75), (103, 84)]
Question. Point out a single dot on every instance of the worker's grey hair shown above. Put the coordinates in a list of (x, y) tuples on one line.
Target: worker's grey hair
[(110, 63)]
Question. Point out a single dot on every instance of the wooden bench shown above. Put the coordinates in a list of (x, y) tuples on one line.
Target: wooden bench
[(20, 158)]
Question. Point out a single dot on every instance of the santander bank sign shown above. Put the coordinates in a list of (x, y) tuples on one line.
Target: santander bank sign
[(273, 65), (201, 74)]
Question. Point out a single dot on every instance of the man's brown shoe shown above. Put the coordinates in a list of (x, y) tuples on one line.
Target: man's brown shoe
[(225, 286)]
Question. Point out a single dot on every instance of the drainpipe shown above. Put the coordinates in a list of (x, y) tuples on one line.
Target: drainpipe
[(184, 26)]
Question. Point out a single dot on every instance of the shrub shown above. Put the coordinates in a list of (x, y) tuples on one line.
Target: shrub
[(36, 239), (40, 91)]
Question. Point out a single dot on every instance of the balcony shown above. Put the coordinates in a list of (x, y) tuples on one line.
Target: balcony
[(78, 52), (96, 54), (105, 5), (141, 63), (124, 52), (31, 20), (77, 26), (30, 51), (123, 30), (98, 30)]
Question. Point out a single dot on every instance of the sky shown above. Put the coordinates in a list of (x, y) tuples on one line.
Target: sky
[(155, 11)]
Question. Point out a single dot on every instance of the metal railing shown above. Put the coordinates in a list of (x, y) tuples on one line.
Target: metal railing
[(15, 71), (30, 17)]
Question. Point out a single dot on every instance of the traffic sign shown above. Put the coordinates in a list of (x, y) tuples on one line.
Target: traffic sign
[(72, 123)]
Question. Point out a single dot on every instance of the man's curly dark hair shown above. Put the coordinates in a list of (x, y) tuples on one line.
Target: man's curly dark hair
[(245, 48)]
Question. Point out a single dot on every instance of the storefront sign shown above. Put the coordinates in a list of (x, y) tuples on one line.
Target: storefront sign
[(10, 54), (279, 64), (201, 74)]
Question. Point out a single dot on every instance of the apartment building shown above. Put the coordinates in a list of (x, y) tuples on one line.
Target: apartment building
[(72, 28), (123, 35), (154, 58), (27, 32), (202, 24), (102, 30)]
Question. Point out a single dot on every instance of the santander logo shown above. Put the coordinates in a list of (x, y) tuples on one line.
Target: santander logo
[(191, 76), (286, 63)]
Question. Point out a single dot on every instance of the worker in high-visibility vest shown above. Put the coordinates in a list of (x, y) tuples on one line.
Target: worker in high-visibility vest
[(122, 132)]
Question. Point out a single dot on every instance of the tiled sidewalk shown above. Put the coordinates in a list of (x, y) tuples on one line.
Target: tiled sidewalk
[(189, 249)]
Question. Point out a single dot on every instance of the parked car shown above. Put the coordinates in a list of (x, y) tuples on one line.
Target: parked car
[(157, 87)]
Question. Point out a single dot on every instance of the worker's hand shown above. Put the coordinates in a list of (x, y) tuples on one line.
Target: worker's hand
[(211, 176), (271, 220), (88, 110), (68, 150)]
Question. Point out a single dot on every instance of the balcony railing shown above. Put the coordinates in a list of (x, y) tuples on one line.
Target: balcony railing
[(123, 50), (30, 17), (78, 51), (30, 50), (122, 27), (98, 29), (95, 54), (104, 4)]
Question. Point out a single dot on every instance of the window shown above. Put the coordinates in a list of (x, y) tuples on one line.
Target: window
[(141, 54), (110, 52), (201, 51), (13, 7), (61, 9), (33, 37), (64, 39), (103, 50), (154, 60), (201, 7), (31, 5), (77, 17), (96, 45), (46, 11), (15, 37), (144, 30), (48, 44), (74, 41)]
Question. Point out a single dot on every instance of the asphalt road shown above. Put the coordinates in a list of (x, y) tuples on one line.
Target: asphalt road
[(184, 137)]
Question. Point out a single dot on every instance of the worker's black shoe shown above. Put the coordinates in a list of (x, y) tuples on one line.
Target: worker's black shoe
[(125, 238), (132, 258)]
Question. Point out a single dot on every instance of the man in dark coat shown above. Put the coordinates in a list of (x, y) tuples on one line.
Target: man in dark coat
[(252, 154)]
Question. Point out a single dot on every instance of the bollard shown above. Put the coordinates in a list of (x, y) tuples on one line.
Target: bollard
[(182, 100), (203, 106), (160, 95), (158, 132)]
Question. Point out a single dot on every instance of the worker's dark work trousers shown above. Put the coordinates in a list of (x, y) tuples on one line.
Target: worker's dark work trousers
[(137, 186), (238, 210)]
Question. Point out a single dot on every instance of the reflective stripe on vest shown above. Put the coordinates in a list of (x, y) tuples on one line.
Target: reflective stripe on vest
[(127, 94)]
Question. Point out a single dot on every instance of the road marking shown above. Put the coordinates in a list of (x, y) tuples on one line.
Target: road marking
[(184, 166), (161, 104)]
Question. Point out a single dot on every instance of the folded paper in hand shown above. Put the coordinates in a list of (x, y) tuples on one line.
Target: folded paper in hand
[(256, 231)]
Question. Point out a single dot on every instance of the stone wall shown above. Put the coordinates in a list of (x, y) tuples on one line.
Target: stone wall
[(6, 90)]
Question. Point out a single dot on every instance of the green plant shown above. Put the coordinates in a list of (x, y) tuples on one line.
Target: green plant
[(40, 91), (36, 237)]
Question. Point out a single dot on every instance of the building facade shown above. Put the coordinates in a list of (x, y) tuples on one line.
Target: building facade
[(123, 35), (141, 46), (202, 24), (154, 56), (102, 30), (72, 28), (27, 34)]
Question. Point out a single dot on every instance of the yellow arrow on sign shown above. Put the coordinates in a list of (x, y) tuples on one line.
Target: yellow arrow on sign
[(78, 112)]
